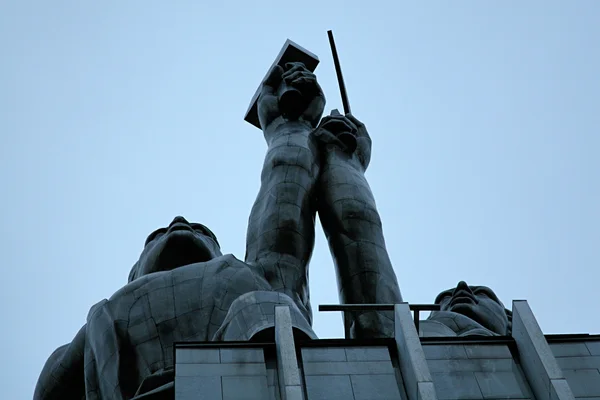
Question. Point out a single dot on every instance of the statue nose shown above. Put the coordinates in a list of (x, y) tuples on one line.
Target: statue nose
[(462, 285), (179, 219)]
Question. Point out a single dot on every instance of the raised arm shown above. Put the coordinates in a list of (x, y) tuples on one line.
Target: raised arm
[(353, 227), (62, 376), (280, 235)]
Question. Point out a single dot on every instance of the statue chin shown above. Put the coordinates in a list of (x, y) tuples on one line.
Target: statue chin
[(181, 248)]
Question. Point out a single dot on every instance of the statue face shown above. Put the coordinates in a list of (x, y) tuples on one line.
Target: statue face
[(479, 303), (181, 243)]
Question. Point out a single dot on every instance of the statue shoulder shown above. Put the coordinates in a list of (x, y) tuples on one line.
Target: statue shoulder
[(128, 293), (429, 328), (95, 308), (213, 266)]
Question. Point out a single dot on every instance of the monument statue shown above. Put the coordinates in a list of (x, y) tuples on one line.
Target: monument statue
[(466, 311), (183, 288)]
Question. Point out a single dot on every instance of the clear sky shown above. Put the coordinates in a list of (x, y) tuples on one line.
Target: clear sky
[(116, 116)]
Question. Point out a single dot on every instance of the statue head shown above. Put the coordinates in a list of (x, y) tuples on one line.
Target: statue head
[(479, 303), (181, 243)]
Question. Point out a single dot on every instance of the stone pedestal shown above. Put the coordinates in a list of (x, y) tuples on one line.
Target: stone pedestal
[(526, 365)]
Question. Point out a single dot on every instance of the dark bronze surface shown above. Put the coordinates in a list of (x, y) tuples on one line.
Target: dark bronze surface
[(183, 289), (472, 310)]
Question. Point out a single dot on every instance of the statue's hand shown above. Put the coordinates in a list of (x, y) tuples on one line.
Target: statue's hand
[(338, 132), (298, 77)]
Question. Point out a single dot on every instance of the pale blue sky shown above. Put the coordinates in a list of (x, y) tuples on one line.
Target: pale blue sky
[(116, 116)]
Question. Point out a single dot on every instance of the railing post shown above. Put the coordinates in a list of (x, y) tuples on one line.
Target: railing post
[(413, 365), (290, 384), (543, 372)]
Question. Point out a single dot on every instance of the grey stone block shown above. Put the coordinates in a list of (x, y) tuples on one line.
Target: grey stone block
[(271, 377), (375, 387), (379, 353), (245, 388), (502, 385), (584, 382), (233, 355), (322, 354), (221, 369), (589, 362), (456, 386), (537, 359), (474, 365), (348, 368), (488, 351), (197, 356), (444, 352), (287, 363), (273, 392), (412, 362), (426, 391), (198, 387), (569, 349), (294, 393), (330, 387), (560, 390), (593, 347)]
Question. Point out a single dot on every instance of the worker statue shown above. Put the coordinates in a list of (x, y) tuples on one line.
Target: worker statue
[(183, 288), (467, 310)]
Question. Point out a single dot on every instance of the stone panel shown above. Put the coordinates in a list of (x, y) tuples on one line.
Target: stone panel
[(426, 391), (198, 388), (502, 385), (569, 349), (348, 368), (331, 387), (584, 382), (197, 356), (456, 386), (376, 353), (273, 392), (488, 351), (560, 390), (271, 377), (589, 362), (374, 387), (593, 347), (322, 354), (244, 388), (221, 369), (474, 365), (241, 355), (444, 352)]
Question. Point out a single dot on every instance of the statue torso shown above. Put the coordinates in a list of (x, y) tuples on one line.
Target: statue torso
[(140, 323)]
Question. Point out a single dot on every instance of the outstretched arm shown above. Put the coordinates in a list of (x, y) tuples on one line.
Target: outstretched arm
[(280, 235), (62, 376), (353, 227)]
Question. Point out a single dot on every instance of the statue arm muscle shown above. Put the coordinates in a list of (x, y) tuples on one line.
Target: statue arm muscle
[(62, 376)]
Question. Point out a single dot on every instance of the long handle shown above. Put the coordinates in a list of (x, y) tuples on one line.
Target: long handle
[(338, 71)]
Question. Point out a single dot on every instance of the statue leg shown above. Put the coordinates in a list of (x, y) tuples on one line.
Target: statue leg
[(281, 235)]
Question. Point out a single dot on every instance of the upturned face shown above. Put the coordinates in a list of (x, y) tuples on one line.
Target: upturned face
[(479, 303), (181, 243)]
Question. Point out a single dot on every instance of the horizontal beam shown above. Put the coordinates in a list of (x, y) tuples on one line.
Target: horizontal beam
[(376, 307)]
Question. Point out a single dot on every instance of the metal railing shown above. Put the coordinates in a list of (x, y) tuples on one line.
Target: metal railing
[(415, 308)]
